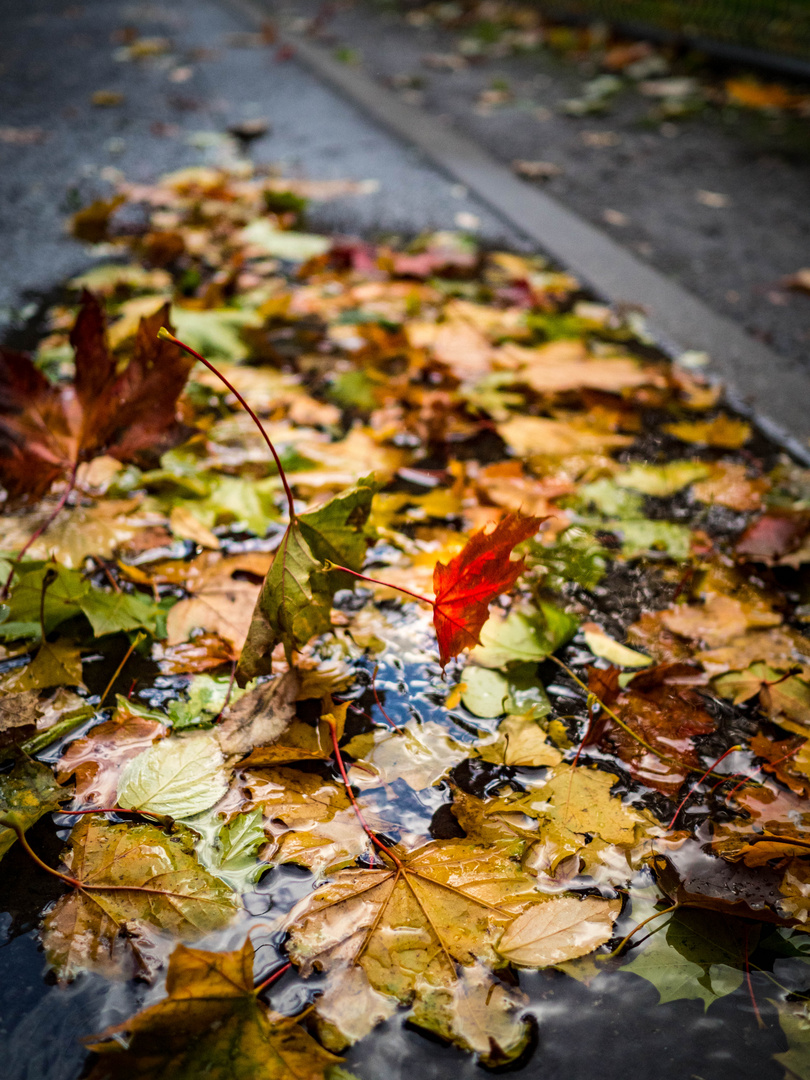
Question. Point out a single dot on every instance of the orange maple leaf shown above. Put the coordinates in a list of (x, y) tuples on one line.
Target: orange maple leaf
[(481, 571)]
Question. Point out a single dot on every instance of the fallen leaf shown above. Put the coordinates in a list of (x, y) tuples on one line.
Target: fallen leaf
[(295, 601), (27, 793), (601, 644), (661, 480), (134, 880), (211, 1023), (57, 663), (260, 716), (729, 484), (562, 928), (176, 777), (480, 572), (96, 759), (46, 429), (724, 431)]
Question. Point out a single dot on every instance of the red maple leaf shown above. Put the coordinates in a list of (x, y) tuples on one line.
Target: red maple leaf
[(47, 429), (481, 571)]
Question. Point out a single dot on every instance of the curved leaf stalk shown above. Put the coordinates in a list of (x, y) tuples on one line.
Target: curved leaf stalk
[(697, 783), (355, 806), (376, 581), (615, 952), (272, 978), (36, 535), (10, 822), (165, 335)]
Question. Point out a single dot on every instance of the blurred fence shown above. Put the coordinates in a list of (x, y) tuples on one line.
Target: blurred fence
[(742, 29)]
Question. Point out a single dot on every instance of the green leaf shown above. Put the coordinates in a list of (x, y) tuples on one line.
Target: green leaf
[(62, 599), (526, 634), (178, 777), (229, 850), (699, 955), (206, 697), (296, 598), (234, 499), (575, 556), (215, 333), (114, 612), (294, 246), (601, 644), (611, 500), (28, 792), (650, 537), (57, 663), (490, 693), (662, 480)]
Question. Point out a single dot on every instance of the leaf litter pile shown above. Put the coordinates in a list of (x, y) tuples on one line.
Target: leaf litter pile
[(411, 572)]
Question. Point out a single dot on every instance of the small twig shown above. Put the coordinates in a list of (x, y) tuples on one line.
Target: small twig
[(218, 717), (120, 667)]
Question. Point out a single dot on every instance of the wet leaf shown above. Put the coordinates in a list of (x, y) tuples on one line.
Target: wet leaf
[(662, 480), (219, 603), (724, 431), (608, 648), (477, 1014), (525, 634), (489, 693), (211, 1023), (296, 599), (480, 572), (45, 429), (260, 716), (447, 905), (57, 663), (698, 955), (27, 792), (134, 880), (562, 928), (176, 777), (95, 761)]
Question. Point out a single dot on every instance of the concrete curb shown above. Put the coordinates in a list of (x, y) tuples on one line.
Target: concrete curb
[(759, 383)]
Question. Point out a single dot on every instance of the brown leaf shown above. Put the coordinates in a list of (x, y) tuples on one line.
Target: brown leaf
[(261, 716), (211, 1024)]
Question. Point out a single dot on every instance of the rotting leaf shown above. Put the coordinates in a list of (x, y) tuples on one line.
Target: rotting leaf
[(211, 1023), (260, 716)]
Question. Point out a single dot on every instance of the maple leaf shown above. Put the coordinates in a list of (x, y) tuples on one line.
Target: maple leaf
[(481, 571), (666, 717), (211, 1024), (296, 599), (132, 880), (446, 904), (47, 429)]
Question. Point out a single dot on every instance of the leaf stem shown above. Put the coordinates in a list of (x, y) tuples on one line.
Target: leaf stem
[(375, 581), (636, 928), (36, 535), (355, 806), (119, 669), (272, 978), (10, 822), (697, 783), (165, 335)]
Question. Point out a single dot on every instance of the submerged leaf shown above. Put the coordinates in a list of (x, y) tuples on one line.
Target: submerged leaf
[(27, 793)]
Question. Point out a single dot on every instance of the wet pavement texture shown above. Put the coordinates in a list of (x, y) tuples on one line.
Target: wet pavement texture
[(637, 180), (59, 151)]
